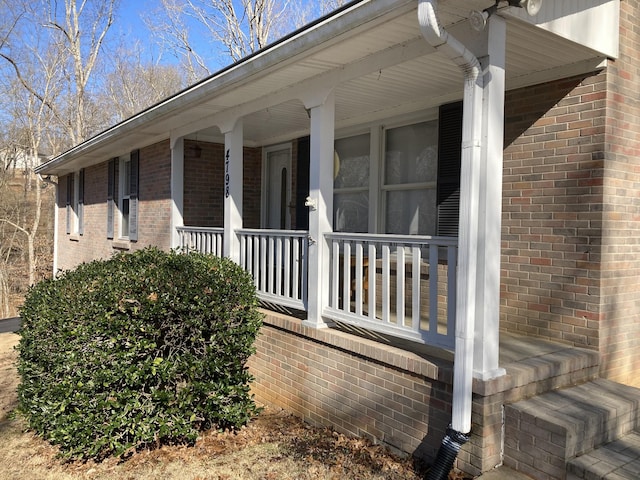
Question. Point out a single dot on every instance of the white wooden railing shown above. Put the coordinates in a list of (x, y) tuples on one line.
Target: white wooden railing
[(277, 259), (201, 239), (398, 285), (404, 286)]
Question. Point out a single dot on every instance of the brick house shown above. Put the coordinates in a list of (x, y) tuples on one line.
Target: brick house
[(418, 197)]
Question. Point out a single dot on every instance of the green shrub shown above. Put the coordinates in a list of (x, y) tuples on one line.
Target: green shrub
[(144, 349)]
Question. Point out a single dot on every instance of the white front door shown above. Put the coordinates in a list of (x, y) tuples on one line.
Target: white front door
[(277, 187)]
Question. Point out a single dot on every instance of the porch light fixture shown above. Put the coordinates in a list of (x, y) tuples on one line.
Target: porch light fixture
[(478, 19), (197, 150)]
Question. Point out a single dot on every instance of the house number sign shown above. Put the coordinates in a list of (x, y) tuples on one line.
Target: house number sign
[(226, 173)]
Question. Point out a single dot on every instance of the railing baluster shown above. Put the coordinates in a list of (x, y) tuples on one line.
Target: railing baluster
[(372, 280), (346, 275), (452, 253), (335, 267), (279, 264), (416, 253), (358, 274), (386, 278), (433, 289), (400, 283)]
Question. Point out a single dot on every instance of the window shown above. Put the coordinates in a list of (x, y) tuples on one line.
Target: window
[(410, 179), (123, 196), (351, 184), (415, 183), (75, 202)]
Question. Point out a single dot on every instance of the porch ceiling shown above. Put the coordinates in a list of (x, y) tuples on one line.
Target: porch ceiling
[(374, 55)]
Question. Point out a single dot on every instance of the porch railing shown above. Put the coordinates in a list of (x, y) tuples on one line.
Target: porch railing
[(201, 239), (278, 261), (399, 285), (403, 286)]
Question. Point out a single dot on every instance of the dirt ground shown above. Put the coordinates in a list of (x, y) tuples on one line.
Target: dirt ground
[(275, 446)]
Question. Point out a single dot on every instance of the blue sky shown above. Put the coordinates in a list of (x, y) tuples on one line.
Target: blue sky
[(129, 23)]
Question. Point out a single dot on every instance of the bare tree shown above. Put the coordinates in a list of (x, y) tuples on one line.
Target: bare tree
[(132, 85), (192, 29), (48, 68), (79, 32)]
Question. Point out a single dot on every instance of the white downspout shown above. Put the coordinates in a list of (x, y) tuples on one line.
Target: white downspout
[(443, 42)]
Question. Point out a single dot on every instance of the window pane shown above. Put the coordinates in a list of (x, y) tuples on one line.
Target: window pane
[(125, 217), (411, 154), (351, 212), (127, 179), (411, 212), (352, 166)]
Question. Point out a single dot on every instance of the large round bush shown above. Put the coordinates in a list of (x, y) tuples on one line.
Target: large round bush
[(143, 349)]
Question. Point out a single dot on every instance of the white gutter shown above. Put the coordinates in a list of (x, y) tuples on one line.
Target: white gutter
[(442, 41)]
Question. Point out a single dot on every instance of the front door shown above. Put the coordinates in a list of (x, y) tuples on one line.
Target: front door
[(277, 187)]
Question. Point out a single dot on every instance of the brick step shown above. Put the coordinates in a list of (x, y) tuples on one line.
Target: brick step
[(543, 433), (616, 460)]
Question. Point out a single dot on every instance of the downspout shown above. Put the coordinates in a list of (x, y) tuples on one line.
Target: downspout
[(460, 428)]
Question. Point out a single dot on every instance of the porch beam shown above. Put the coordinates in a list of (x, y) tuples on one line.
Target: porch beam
[(177, 189), (487, 325), (321, 106), (233, 179)]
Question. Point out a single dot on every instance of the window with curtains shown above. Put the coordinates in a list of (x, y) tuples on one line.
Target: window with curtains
[(122, 197), (409, 179), (351, 184), (411, 172)]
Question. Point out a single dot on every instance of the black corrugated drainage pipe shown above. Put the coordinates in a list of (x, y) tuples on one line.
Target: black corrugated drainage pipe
[(447, 453)]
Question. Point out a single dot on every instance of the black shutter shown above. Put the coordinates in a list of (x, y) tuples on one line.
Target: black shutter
[(449, 157), (302, 183), (81, 202), (68, 204), (133, 196), (111, 187)]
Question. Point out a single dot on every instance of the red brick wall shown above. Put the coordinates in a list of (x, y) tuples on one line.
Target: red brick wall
[(571, 223), (386, 394), (552, 208), (204, 185), (620, 271), (154, 211)]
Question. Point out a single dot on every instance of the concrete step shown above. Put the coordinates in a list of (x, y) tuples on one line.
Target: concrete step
[(543, 433), (618, 460)]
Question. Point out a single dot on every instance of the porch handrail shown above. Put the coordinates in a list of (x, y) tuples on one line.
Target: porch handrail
[(278, 262), (401, 285), (201, 239)]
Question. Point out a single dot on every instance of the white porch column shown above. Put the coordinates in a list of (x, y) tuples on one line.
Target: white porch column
[(177, 189), (233, 180), (486, 348), (320, 204)]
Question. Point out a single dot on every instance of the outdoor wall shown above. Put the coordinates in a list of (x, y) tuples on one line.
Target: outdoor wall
[(397, 393), (358, 386), (154, 211), (620, 270), (204, 184), (571, 210)]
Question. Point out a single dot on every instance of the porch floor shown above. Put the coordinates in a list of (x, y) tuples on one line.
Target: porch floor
[(533, 365)]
